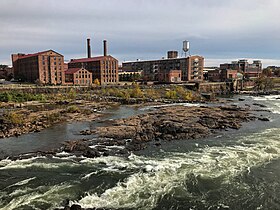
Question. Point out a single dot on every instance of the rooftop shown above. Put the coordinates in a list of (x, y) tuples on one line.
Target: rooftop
[(98, 58), (73, 70), (34, 54), (162, 59)]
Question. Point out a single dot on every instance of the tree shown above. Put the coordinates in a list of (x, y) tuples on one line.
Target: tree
[(136, 91), (3, 66), (267, 72), (263, 83), (96, 82)]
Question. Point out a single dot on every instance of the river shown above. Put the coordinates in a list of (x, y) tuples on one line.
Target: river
[(230, 170)]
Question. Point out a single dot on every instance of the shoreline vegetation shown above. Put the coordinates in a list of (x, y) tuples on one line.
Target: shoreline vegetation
[(23, 112), (26, 111)]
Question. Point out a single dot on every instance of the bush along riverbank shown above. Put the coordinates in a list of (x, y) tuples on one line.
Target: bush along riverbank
[(34, 117), (24, 112)]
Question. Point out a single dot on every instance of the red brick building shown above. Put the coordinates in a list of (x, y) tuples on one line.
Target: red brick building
[(228, 75), (45, 67), (171, 76), (223, 75), (103, 68), (243, 66), (78, 76), (191, 67), (214, 75)]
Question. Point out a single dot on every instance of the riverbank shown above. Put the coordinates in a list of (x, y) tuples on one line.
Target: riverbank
[(107, 165), (28, 117), (135, 133), (30, 111)]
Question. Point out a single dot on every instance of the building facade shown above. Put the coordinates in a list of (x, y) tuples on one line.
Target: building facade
[(103, 68), (225, 75), (6, 72), (45, 67), (191, 67), (129, 76), (78, 76), (243, 66), (172, 76)]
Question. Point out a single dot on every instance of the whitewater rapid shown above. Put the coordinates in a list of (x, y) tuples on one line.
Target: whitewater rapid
[(142, 181)]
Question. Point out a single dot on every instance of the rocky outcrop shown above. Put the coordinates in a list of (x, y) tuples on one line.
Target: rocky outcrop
[(42, 116), (175, 122)]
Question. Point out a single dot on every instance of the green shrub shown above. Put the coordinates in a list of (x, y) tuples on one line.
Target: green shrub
[(21, 97), (72, 94), (53, 117), (171, 94), (73, 109), (136, 92), (151, 93), (14, 118)]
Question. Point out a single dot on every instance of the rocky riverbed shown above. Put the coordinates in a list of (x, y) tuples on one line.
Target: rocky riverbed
[(155, 127), (34, 117)]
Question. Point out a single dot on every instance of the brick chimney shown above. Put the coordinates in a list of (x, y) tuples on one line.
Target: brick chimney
[(105, 47), (88, 48)]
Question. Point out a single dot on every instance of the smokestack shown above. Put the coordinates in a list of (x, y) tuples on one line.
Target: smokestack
[(105, 47), (88, 48)]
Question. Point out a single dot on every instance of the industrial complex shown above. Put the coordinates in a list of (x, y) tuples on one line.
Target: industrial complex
[(48, 68)]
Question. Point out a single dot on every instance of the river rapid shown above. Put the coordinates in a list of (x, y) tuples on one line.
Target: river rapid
[(231, 170)]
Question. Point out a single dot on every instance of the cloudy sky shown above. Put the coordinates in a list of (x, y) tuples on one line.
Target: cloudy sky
[(219, 30)]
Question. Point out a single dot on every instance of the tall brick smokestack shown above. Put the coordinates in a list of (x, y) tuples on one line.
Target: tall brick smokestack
[(105, 47), (88, 48)]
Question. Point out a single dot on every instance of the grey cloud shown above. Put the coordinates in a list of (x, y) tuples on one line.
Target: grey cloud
[(141, 29)]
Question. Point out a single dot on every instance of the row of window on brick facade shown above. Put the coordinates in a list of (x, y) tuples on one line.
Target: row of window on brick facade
[(54, 57), (83, 81), (83, 76), (54, 63), (54, 68)]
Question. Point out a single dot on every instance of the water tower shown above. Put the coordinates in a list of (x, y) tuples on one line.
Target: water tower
[(186, 47)]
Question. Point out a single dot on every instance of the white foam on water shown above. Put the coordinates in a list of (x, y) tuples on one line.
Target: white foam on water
[(87, 176), (62, 154), (174, 104), (23, 182), (115, 147), (266, 98), (143, 189), (272, 101), (50, 194), (32, 162), (108, 147)]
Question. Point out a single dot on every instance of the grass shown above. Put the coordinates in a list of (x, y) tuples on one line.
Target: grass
[(21, 97)]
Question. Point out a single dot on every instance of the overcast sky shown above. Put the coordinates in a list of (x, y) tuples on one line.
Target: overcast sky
[(219, 30)]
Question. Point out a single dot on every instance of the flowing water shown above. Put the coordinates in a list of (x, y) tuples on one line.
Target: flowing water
[(230, 170)]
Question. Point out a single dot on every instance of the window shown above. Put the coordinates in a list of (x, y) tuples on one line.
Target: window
[(54, 58)]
